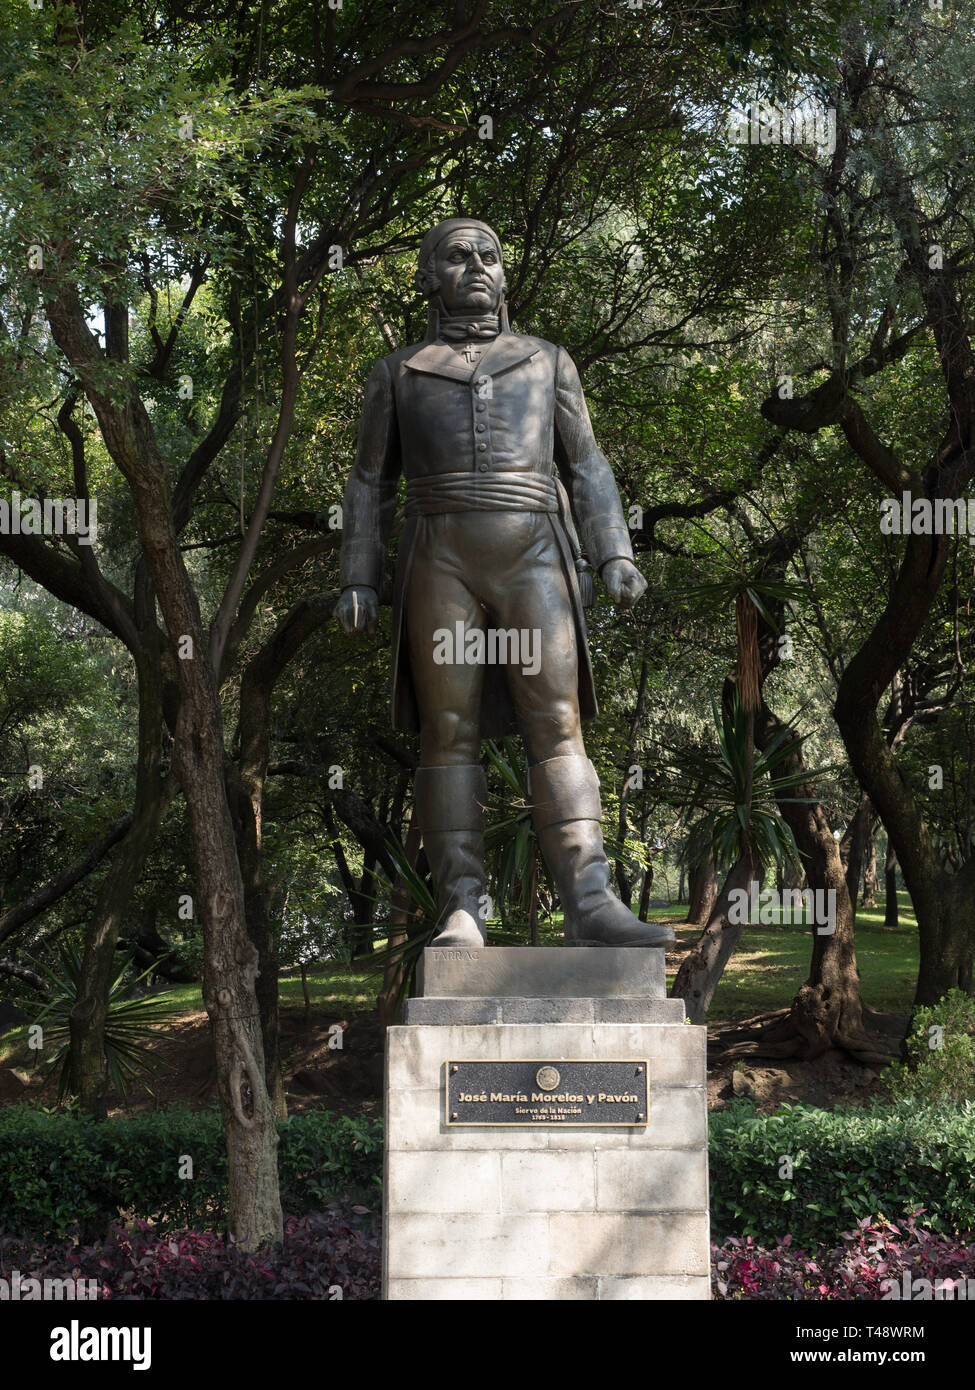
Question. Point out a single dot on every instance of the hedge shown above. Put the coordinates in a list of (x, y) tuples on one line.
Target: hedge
[(803, 1172), (813, 1173), (169, 1168)]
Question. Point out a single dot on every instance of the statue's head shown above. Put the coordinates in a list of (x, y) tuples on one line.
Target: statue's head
[(460, 260)]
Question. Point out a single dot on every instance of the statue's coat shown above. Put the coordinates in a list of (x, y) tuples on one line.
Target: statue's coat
[(421, 417)]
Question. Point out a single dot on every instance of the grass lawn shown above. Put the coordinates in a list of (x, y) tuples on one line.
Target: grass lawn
[(764, 974), (773, 961), (331, 987)]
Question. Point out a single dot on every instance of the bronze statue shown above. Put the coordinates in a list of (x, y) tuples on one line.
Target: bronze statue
[(490, 562)]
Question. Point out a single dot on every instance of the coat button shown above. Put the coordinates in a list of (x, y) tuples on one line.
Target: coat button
[(481, 429), (479, 408), (482, 467), (482, 448)]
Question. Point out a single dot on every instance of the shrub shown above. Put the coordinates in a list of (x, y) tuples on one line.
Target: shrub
[(814, 1172), (59, 1170), (870, 1264), (329, 1255), (323, 1154), (805, 1171), (940, 1053), (49, 1171)]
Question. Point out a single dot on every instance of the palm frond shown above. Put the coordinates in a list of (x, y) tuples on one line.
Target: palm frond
[(130, 1023)]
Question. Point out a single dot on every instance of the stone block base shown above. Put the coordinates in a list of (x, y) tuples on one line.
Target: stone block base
[(545, 1212), (619, 972)]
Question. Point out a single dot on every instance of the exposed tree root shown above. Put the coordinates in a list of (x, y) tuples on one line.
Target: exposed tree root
[(807, 1030)]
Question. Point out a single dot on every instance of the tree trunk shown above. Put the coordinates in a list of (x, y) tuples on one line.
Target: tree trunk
[(944, 903), (149, 948), (230, 965), (364, 913), (89, 1013), (703, 891), (701, 970), (245, 792), (261, 933), (871, 883), (947, 909), (230, 973), (827, 1011), (853, 847), (645, 893), (371, 833), (245, 783), (625, 879), (891, 917), (37, 902)]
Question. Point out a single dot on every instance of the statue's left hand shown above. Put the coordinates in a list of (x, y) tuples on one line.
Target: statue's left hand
[(624, 581)]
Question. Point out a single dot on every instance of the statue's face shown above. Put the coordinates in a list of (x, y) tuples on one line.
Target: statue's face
[(469, 269)]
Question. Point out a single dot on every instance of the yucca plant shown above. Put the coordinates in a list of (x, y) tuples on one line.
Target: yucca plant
[(514, 859), (752, 596), (739, 792), (129, 1024), (395, 963)]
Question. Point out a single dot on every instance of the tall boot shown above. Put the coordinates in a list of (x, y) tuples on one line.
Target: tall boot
[(567, 816), (449, 807)]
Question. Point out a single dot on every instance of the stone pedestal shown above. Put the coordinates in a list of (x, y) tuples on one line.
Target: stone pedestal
[(543, 1211)]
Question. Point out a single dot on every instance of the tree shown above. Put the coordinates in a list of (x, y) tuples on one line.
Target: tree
[(742, 830), (890, 203)]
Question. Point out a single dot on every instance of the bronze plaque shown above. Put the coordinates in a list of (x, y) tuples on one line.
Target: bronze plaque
[(584, 1094)]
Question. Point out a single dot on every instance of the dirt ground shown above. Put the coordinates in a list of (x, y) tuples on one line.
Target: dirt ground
[(831, 1080)]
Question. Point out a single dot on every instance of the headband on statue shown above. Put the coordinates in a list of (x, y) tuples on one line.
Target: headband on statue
[(443, 229)]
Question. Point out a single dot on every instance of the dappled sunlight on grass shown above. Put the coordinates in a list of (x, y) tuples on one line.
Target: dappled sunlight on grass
[(334, 988), (331, 986), (772, 963)]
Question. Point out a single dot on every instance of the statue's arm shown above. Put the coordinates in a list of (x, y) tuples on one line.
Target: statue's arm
[(586, 472), (370, 493)]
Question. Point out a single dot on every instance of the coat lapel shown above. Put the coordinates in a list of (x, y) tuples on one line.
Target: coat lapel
[(507, 350), (439, 359)]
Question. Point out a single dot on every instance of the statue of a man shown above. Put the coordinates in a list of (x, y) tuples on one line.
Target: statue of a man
[(489, 634)]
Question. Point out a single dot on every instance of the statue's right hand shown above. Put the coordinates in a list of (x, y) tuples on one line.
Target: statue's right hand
[(358, 609)]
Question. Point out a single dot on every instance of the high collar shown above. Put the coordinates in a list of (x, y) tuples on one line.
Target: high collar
[(436, 313), (461, 328)]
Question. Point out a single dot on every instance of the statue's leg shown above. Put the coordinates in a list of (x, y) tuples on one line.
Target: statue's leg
[(564, 785), (450, 790), (567, 816)]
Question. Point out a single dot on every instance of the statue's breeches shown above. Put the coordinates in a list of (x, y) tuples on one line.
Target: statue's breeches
[(488, 599)]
